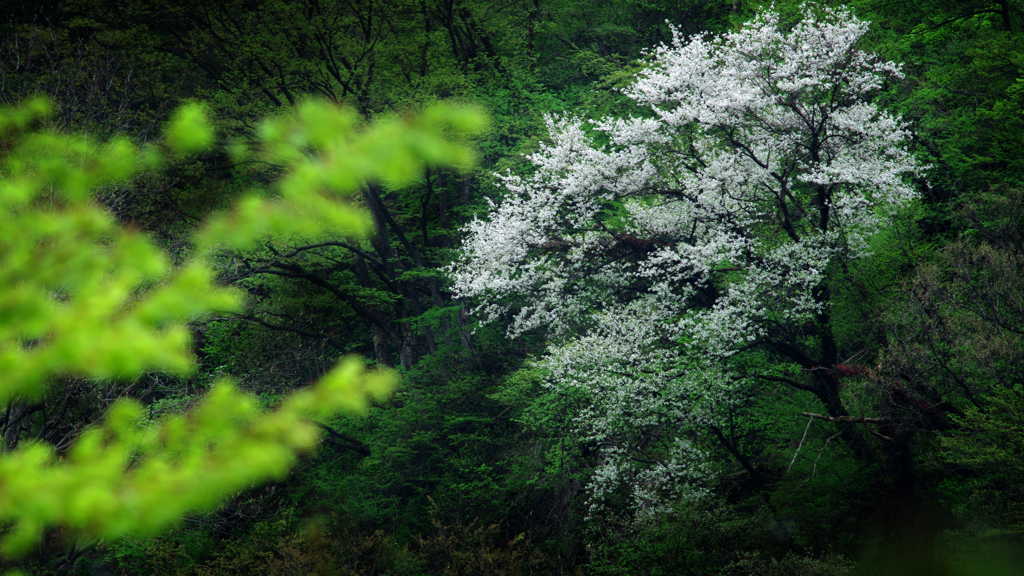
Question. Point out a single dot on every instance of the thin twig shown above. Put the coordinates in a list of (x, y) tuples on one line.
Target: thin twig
[(814, 468), (847, 419), (801, 445)]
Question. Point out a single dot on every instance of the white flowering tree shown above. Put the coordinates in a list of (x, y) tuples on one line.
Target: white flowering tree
[(654, 249)]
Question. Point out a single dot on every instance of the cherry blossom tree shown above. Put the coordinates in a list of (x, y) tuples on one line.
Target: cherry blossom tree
[(655, 248)]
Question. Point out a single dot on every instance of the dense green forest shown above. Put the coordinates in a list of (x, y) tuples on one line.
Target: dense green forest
[(772, 324)]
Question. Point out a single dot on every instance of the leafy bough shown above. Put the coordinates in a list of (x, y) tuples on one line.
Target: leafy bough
[(81, 295)]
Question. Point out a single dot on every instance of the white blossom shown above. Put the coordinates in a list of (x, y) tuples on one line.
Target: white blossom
[(653, 258)]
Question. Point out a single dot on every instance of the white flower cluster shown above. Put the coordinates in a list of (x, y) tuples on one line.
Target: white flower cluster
[(653, 258)]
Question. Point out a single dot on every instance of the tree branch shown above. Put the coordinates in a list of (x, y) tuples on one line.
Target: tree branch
[(342, 440)]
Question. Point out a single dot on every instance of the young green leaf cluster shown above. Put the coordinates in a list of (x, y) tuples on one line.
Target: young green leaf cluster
[(82, 295)]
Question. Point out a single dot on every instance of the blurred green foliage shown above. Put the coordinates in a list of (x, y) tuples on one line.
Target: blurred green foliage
[(80, 294)]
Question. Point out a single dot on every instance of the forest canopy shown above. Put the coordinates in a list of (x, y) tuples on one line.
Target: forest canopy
[(720, 288)]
